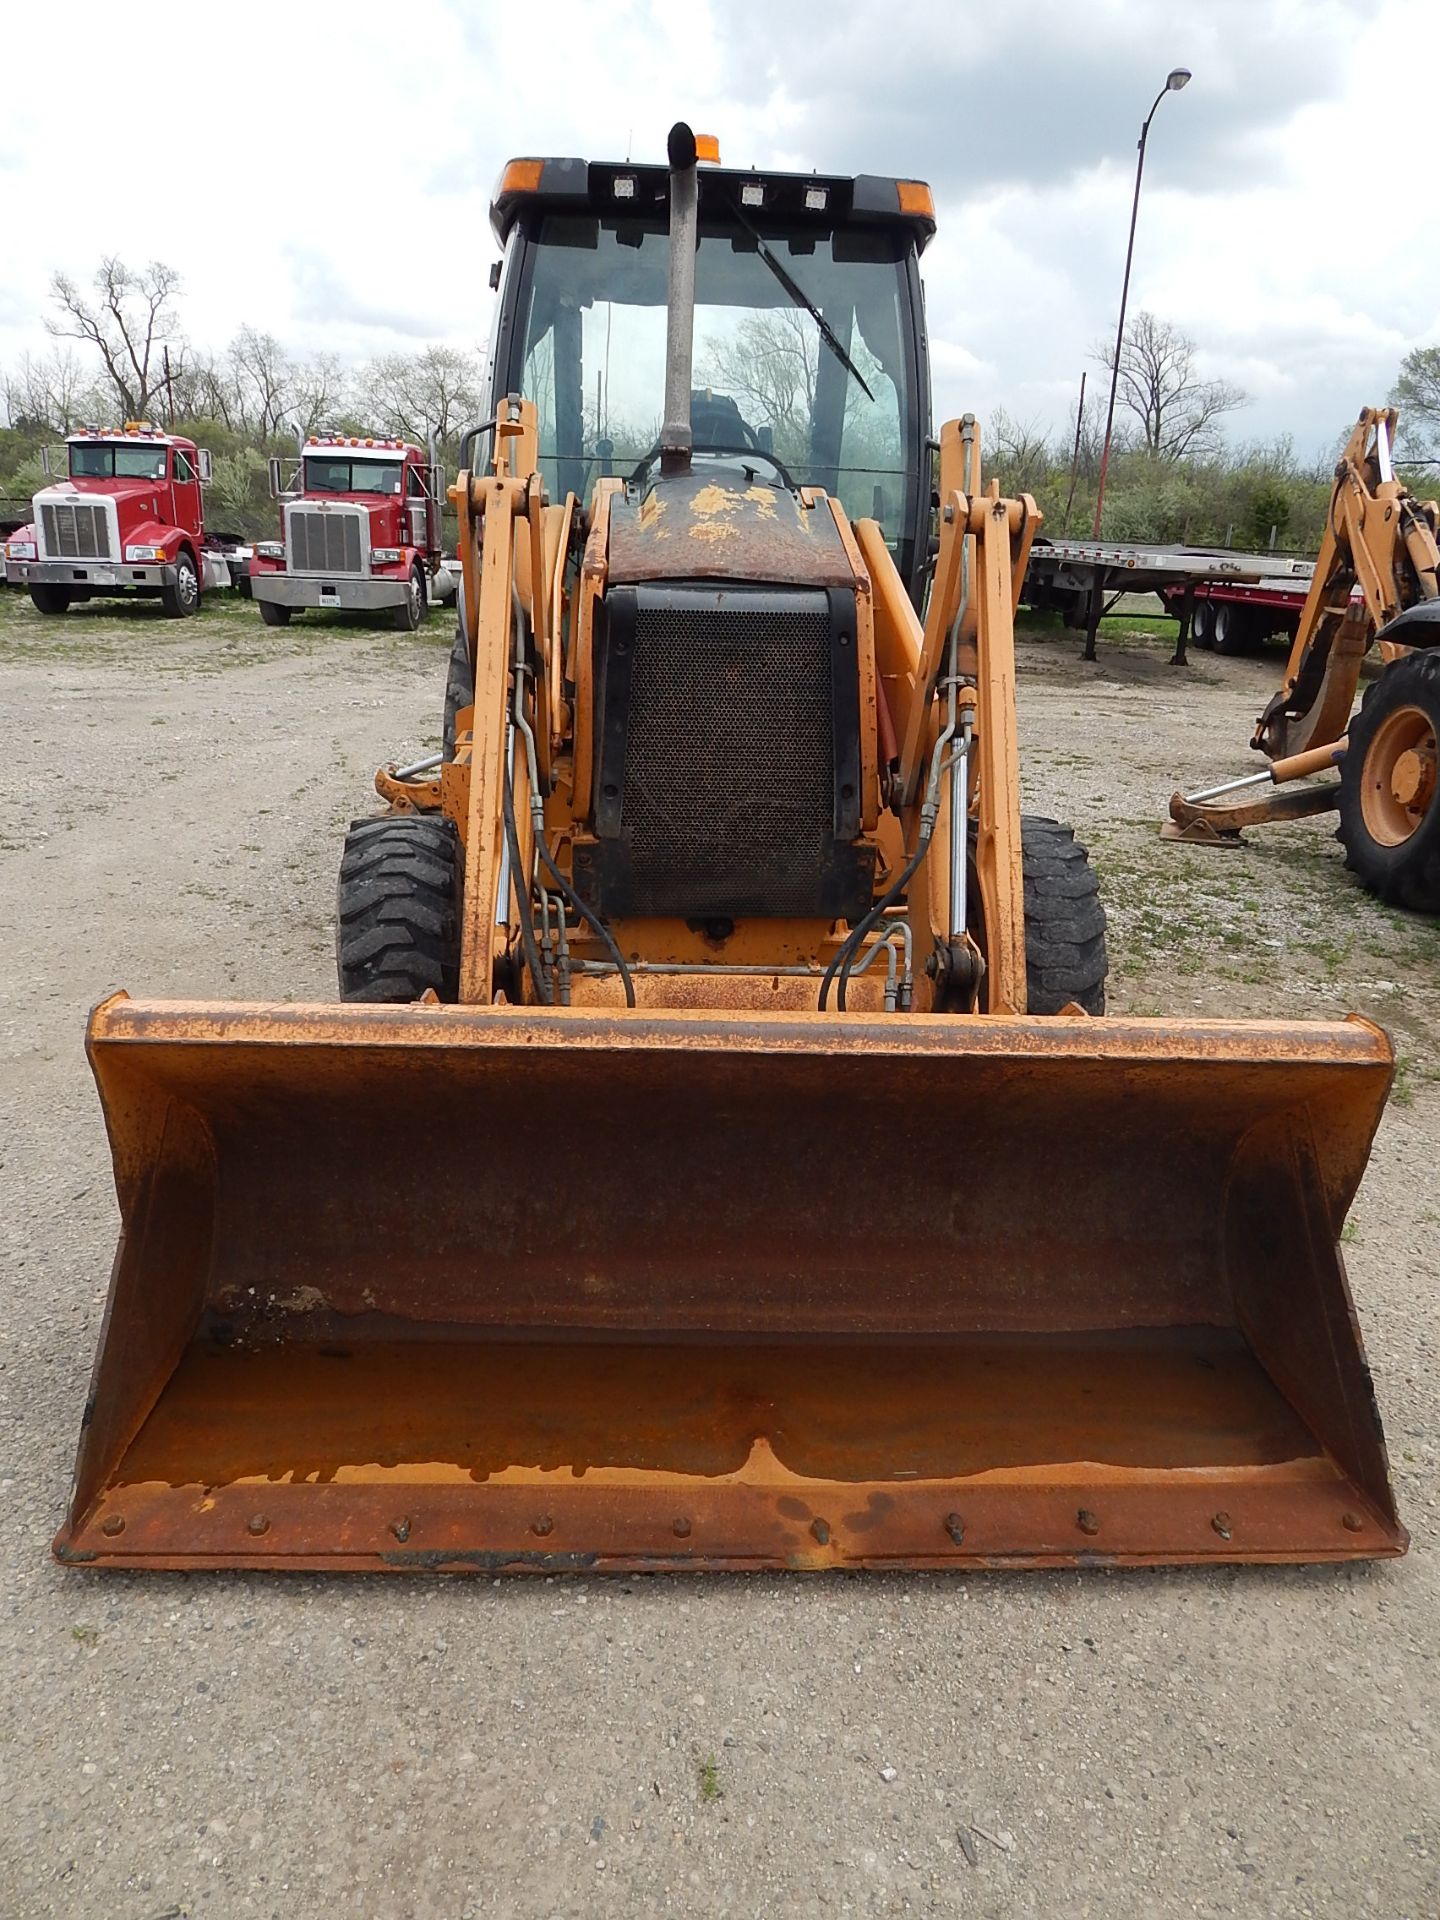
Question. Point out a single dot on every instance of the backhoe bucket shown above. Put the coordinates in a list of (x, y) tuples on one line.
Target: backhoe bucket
[(503, 1289)]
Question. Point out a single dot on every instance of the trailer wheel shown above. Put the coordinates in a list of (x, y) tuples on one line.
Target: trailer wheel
[(48, 599), (1232, 630), (273, 615), (411, 610), (1390, 789), (1202, 626), (397, 929), (183, 596), (1065, 958)]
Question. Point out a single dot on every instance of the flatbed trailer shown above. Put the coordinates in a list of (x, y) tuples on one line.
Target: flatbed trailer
[(1224, 599)]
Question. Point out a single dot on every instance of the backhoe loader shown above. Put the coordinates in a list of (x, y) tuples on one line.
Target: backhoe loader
[(1376, 584), (719, 1156)]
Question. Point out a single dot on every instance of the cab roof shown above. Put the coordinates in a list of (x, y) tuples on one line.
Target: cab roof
[(133, 433), (618, 187)]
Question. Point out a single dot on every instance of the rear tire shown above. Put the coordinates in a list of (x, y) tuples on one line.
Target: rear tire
[(1202, 625), (47, 599), (411, 610), (1390, 787), (273, 615), (1065, 958), (397, 930), (1233, 632), (183, 597)]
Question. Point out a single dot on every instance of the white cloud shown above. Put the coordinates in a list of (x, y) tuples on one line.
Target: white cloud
[(324, 172)]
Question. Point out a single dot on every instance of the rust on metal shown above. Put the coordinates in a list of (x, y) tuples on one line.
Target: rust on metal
[(723, 523), (558, 1362)]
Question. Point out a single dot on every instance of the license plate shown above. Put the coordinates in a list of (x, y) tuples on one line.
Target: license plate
[(329, 597)]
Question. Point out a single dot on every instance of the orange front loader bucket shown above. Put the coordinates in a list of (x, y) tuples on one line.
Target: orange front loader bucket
[(493, 1288)]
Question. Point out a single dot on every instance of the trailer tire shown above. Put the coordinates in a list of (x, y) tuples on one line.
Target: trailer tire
[(397, 921), (1390, 787), (1065, 957), (47, 599), (1202, 625), (1232, 632), (411, 610), (273, 615), (183, 596)]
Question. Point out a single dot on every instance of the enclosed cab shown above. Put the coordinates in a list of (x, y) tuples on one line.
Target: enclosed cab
[(360, 531), (809, 340), (128, 518)]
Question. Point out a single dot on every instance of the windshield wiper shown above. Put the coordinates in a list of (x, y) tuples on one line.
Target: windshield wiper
[(798, 293)]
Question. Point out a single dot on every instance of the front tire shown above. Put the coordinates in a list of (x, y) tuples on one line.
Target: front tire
[(273, 615), (1390, 786), (397, 929), (182, 597), (1065, 957), (50, 600), (411, 610)]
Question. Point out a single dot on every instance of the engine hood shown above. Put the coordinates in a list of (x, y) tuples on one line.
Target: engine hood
[(724, 521)]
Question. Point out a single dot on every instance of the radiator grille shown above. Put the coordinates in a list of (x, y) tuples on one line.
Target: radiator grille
[(728, 795), (325, 542), (75, 532)]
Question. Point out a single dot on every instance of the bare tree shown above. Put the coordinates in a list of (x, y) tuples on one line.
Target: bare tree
[(1417, 394), (51, 393), (1019, 451), (1178, 412), (321, 389), (129, 324), (769, 366), (262, 381), (412, 395)]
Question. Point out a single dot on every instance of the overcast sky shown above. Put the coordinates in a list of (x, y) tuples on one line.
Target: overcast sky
[(323, 171)]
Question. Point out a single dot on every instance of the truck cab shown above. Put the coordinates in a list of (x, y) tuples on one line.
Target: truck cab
[(360, 531), (127, 519)]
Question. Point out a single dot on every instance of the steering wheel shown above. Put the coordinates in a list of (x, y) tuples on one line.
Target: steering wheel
[(745, 454)]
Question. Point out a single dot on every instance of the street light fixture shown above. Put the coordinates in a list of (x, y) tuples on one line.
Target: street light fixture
[(1177, 78)]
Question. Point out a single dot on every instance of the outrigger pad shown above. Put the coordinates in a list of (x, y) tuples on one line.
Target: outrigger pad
[(459, 1288), (1200, 833)]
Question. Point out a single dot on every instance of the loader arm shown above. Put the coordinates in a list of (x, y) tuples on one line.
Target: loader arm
[(1378, 557)]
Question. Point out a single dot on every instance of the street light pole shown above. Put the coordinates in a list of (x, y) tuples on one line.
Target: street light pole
[(1174, 81)]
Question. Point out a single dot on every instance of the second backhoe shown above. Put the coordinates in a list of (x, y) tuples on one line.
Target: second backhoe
[(1376, 585)]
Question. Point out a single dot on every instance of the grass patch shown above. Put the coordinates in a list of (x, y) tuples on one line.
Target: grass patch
[(708, 1779)]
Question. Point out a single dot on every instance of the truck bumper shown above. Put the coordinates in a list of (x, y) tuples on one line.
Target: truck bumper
[(349, 594), (100, 576)]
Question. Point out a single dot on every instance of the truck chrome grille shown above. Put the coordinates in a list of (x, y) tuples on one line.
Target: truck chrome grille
[(75, 532), (325, 542)]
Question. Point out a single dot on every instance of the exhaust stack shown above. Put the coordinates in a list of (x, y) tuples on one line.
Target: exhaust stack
[(684, 150)]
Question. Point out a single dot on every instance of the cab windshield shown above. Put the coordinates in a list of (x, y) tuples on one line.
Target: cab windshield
[(765, 377), (352, 476), (118, 463)]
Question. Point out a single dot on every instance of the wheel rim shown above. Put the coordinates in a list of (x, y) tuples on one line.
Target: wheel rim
[(415, 599), (185, 584), (1397, 787)]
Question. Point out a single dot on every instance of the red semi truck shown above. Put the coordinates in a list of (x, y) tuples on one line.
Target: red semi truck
[(128, 518), (360, 530)]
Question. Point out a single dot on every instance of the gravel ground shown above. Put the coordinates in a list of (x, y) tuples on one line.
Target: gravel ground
[(1233, 1741)]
